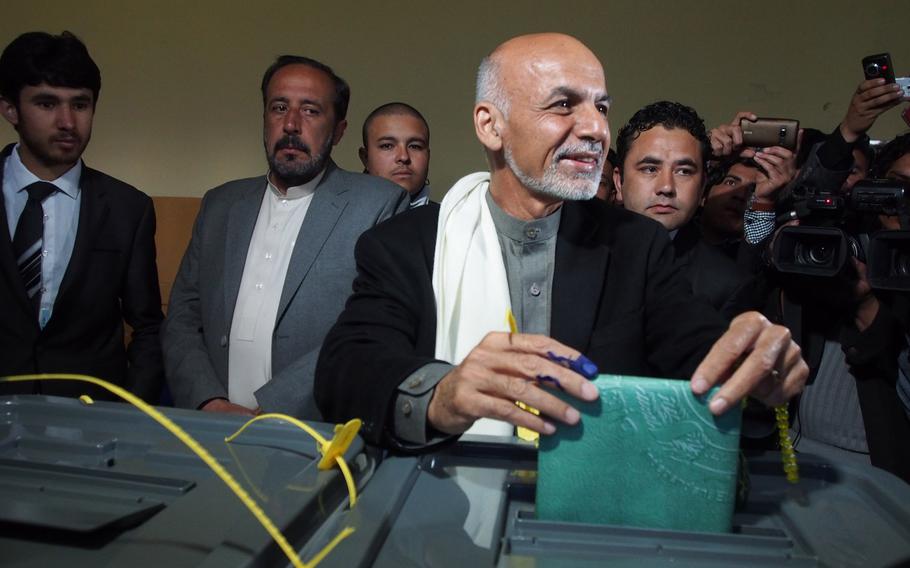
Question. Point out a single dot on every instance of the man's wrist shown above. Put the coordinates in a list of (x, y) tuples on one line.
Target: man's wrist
[(848, 134), (761, 203)]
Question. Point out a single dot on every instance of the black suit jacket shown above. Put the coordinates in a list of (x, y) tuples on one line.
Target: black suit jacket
[(617, 296), (714, 276), (111, 277)]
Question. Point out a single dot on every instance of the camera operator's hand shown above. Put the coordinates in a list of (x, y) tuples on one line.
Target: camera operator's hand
[(871, 98), (728, 138), (780, 168), (756, 358), (504, 368)]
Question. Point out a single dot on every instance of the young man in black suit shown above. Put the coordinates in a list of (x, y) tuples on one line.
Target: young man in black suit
[(78, 256)]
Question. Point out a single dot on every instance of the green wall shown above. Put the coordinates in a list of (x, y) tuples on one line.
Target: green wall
[(180, 109)]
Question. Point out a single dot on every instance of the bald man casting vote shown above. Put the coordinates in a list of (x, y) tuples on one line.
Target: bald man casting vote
[(423, 352)]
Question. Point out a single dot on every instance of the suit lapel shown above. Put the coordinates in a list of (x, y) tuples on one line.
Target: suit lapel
[(579, 276), (321, 218), (8, 267), (241, 222), (93, 211)]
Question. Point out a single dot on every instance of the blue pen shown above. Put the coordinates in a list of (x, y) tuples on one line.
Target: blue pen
[(582, 365)]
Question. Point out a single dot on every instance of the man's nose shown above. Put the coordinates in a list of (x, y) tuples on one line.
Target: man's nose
[(592, 124), (292, 123), (66, 118), (666, 182), (402, 156)]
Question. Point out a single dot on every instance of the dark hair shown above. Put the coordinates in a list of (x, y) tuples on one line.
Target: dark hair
[(719, 170), (342, 90), (611, 157), (393, 108), (668, 115), (890, 153), (38, 57)]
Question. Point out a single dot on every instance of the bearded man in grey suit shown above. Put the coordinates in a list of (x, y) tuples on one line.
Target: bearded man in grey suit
[(271, 259)]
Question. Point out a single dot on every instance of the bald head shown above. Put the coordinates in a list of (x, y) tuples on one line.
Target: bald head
[(541, 114), (515, 54)]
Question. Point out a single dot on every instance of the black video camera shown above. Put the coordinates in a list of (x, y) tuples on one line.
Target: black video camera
[(830, 232)]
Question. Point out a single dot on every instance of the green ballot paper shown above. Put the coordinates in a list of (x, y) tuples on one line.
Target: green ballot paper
[(648, 453)]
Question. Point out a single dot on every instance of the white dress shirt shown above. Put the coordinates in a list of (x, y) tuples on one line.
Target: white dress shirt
[(267, 260), (61, 219)]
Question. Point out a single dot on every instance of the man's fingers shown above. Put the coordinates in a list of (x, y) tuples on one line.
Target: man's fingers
[(528, 358), (527, 343), (514, 389), (510, 412), (531, 369), (786, 381), (747, 114), (763, 364), (727, 351)]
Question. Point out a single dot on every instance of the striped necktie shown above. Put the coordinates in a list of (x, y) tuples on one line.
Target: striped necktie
[(28, 242)]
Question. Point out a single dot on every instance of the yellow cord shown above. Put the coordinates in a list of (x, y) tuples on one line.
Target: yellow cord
[(332, 449), (523, 433), (787, 454), (204, 455)]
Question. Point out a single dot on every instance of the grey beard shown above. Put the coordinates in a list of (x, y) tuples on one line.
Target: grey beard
[(578, 187), (298, 172)]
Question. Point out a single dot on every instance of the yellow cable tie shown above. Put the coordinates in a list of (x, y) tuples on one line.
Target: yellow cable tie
[(340, 442), (332, 450), (277, 416), (317, 558)]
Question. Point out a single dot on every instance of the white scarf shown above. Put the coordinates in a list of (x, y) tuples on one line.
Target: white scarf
[(469, 279)]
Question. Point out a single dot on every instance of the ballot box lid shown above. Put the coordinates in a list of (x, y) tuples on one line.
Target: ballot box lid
[(103, 484), (472, 504)]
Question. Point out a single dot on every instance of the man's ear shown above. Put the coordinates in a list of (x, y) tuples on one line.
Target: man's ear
[(488, 124), (363, 158), (10, 112), (340, 126), (617, 181)]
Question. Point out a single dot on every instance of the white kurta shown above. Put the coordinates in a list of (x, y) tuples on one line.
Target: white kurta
[(267, 260)]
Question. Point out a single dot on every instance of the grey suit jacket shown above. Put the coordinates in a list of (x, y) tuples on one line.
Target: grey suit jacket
[(197, 330)]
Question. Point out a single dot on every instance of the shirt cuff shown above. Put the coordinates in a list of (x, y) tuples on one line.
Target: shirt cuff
[(413, 401)]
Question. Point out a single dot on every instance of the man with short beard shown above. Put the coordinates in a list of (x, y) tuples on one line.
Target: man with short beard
[(271, 258), (424, 349)]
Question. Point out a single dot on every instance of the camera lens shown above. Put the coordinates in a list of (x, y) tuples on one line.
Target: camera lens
[(813, 254), (873, 70)]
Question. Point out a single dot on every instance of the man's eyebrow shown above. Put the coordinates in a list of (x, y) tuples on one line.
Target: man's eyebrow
[(685, 162), (42, 96), (575, 94), (737, 179), (387, 138), (286, 99), (650, 160)]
